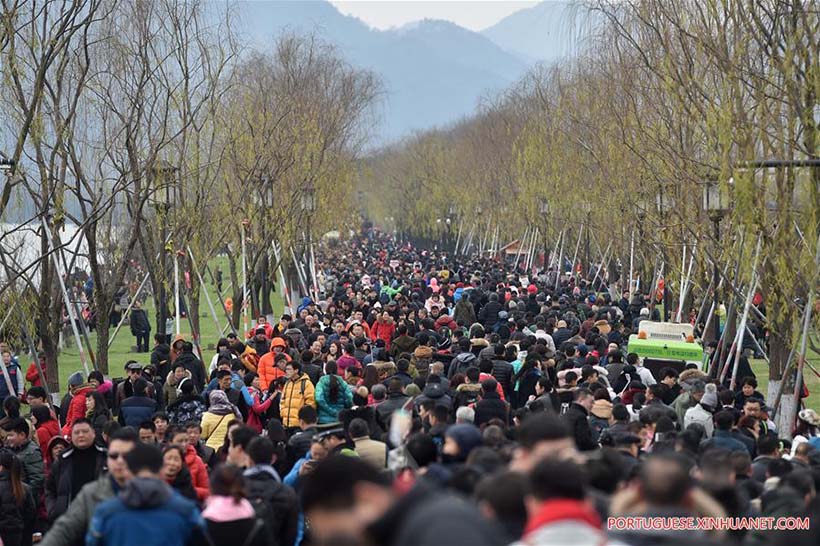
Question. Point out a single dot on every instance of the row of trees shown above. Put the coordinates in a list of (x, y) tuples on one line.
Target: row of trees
[(622, 139), (150, 126)]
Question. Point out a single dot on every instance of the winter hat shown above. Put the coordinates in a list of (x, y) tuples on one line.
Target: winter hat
[(75, 379), (809, 416), (710, 396), (532, 289), (468, 437), (412, 390)]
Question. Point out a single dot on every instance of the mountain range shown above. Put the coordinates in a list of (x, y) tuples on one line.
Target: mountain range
[(434, 72)]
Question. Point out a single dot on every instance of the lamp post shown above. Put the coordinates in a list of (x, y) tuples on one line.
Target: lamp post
[(715, 204), (163, 195)]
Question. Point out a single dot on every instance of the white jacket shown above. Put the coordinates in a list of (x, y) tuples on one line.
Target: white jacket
[(699, 415)]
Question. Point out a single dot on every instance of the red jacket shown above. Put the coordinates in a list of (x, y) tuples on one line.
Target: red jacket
[(46, 432), (76, 409), (384, 331), (258, 409), (199, 473), (33, 377)]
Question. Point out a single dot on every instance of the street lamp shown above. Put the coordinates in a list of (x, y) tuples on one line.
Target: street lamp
[(163, 176), (715, 204)]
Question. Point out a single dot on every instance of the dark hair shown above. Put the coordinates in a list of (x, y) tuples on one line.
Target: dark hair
[(126, 434), (96, 374), (333, 388), (242, 436), (260, 450), (332, 483), (308, 414), (778, 468), (441, 413), (112, 427), (358, 428), (295, 365), (12, 465), (11, 405), (541, 427), (100, 405), (42, 414), (144, 457), (767, 443), (557, 479), (173, 430), (36, 392), (669, 372), (749, 381), (148, 425), (473, 374), (422, 448), (227, 481)]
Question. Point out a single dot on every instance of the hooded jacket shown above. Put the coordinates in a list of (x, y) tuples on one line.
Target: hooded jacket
[(194, 366), (295, 395), (460, 363), (464, 312), (147, 511), (328, 409), (70, 528), (383, 330), (76, 409), (267, 370), (403, 344), (435, 392), (421, 360), (275, 503)]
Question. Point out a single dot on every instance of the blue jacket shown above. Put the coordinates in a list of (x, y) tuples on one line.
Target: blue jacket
[(15, 375), (146, 512), (136, 409), (722, 439)]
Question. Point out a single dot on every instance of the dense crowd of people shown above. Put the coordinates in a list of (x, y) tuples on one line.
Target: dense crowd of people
[(421, 400)]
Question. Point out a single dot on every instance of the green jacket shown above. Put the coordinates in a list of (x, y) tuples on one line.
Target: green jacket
[(70, 528), (33, 471)]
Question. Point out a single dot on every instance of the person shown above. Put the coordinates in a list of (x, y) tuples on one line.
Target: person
[(205, 453), (577, 418), (273, 501), (140, 326), (147, 510), (17, 439), (192, 364), (722, 438), (558, 511), (229, 515), (161, 354), (15, 376), (332, 395), (83, 463), (97, 412), (297, 393), (70, 528), (139, 407), (176, 473), (18, 510), (170, 388), (490, 406), (216, 420), (46, 426), (75, 408), (188, 406), (371, 451), (701, 413), (348, 501), (178, 436)]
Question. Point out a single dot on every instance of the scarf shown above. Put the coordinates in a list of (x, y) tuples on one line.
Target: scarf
[(219, 404)]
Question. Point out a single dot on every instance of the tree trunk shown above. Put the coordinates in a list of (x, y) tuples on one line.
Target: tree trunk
[(103, 302)]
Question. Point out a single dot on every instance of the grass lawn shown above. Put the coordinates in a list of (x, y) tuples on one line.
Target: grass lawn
[(761, 370), (121, 350)]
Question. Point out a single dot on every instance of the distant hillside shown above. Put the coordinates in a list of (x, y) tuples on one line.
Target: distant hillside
[(434, 71), (545, 32)]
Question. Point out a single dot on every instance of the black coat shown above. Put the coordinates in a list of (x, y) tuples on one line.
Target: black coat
[(59, 483), (139, 322), (489, 314), (276, 504), (254, 532), (385, 410), (184, 484), (161, 360), (503, 373), (193, 365), (15, 520), (491, 406), (577, 418)]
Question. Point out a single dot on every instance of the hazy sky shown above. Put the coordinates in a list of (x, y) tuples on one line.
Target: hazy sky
[(472, 14)]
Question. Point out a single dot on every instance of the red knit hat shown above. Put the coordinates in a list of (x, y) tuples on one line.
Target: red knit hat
[(532, 289)]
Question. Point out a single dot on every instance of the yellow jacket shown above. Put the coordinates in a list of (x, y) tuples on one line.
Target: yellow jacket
[(214, 428), (296, 394)]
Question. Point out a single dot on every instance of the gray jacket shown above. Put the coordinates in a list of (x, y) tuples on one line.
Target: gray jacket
[(70, 528)]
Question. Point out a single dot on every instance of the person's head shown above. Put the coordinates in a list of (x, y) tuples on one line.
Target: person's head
[(541, 435), (194, 430), (570, 379), (342, 496), (224, 378), (120, 443), (173, 461), (261, 451), (553, 479), (459, 441), (752, 407), (669, 376), (748, 386), (82, 434), (144, 460), (293, 370), (96, 378), (464, 415), (307, 417), (769, 445), (664, 480), (724, 420), (589, 374), (584, 398), (36, 396), (488, 386), (240, 438), (17, 432), (147, 431), (94, 402), (358, 429)]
